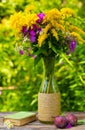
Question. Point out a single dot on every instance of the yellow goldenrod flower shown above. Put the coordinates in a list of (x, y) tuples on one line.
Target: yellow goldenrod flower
[(67, 12), (43, 35), (17, 21), (30, 19), (41, 39), (74, 28), (47, 28), (52, 14), (60, 27), (76, 35), (62, 22), (29, 8), (55, 34), (53, 22)]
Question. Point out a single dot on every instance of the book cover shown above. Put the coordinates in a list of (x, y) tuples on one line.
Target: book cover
[(21, 118)]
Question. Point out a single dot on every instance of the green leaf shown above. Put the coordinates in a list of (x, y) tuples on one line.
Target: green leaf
[(81, 122), (54, 49), (37, 59), (38, 52)]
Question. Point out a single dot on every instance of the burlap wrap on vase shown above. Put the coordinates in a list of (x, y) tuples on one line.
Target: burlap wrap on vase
[(48, 106)]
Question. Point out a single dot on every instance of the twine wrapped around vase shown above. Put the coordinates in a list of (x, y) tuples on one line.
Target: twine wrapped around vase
[(48, 106)]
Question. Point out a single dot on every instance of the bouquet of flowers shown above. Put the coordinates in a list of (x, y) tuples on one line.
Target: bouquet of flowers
[(46, 33)]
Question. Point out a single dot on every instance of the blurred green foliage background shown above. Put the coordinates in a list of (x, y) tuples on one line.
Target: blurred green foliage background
[(19, 71)]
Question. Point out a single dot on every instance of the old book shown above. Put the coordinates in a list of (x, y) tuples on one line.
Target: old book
[(20, 118)]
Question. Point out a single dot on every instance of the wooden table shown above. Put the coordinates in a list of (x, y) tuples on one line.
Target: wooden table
[(36, 125)]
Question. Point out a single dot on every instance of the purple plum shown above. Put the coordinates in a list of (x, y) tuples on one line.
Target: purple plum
[(60, 122), (71, 119)]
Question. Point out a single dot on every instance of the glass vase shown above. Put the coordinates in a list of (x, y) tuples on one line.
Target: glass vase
[(49, 95)]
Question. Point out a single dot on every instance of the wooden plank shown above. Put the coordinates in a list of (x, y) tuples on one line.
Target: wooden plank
[(36, 125)]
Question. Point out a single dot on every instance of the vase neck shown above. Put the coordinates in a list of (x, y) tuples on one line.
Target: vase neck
[(48, 66), (49, 83)]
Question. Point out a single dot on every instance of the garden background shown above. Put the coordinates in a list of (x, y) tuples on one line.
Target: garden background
[(20, 80)]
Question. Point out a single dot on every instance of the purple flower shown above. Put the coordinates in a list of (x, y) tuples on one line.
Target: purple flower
[(34, 27), (32, 38), (24, 30), (72, 45), (41, 16), (21, 52), (39, 30), (32, 32), (32, 35)]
